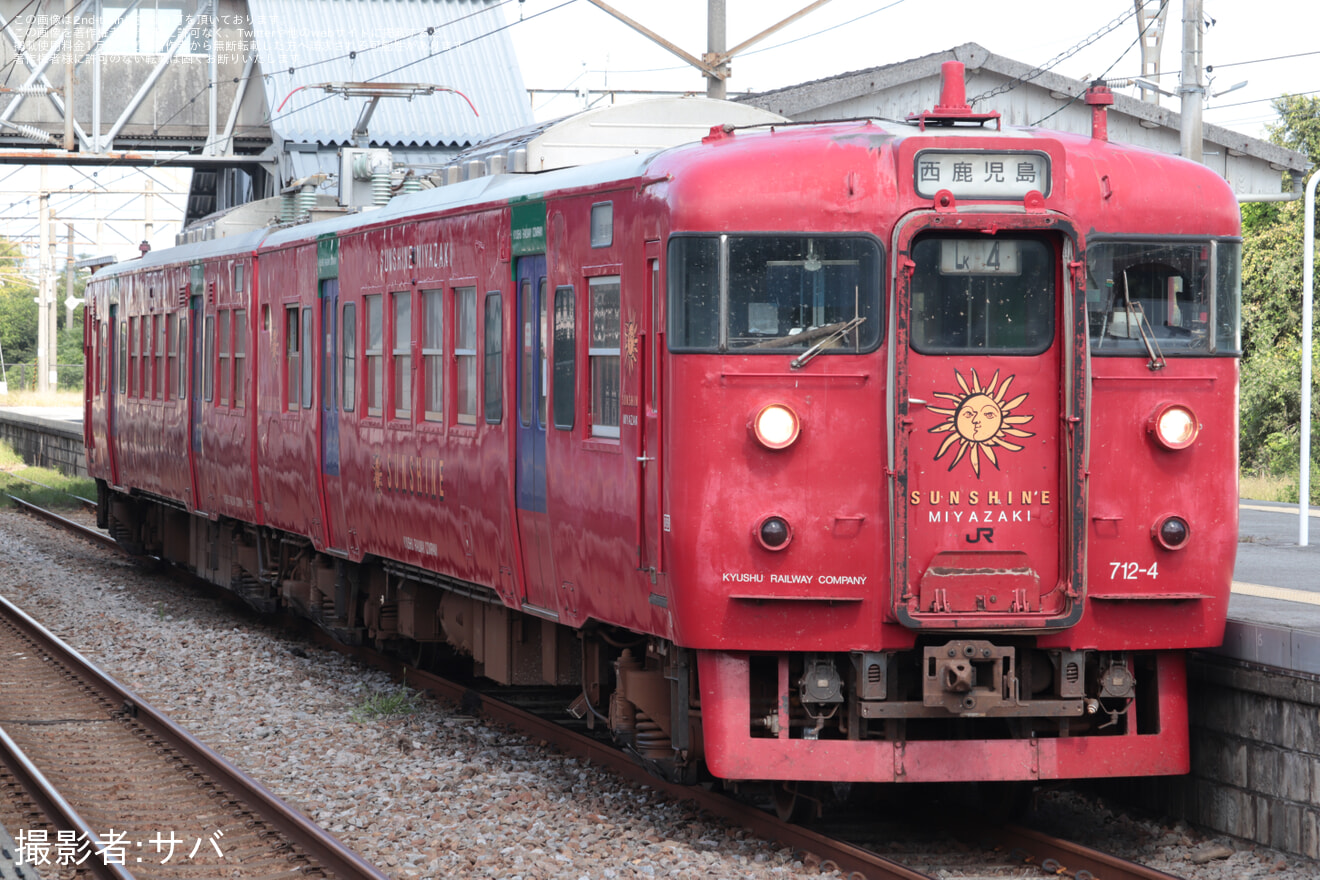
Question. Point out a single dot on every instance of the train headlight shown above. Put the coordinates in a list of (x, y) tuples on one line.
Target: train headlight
[(1172, 532), (776, 426), (774, 533), (1175, 426)]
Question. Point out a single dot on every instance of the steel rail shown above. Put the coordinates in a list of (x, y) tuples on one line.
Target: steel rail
[(856, 863), (66, 524), (317, 843), (59, 811), (1071, 858), (1055, 855)]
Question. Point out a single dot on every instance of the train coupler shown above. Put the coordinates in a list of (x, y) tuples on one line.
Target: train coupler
[(969, 677)]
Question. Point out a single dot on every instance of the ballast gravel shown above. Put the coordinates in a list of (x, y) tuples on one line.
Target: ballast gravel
[(434, 793)]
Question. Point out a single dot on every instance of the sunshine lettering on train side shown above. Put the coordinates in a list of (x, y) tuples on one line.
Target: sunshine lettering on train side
[(408, 475), (431, 255)]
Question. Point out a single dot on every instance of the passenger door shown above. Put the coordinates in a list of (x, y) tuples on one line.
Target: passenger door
[(331, 483), (112, 393), (650, 514), (530, 475)]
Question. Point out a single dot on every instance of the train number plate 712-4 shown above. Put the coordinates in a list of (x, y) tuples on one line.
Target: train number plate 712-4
[(1131, 571)]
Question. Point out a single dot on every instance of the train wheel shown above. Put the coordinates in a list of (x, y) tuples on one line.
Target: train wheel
[(424, 654), (795, 802)]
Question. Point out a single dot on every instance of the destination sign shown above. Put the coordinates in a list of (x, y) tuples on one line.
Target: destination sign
[(981, 175)]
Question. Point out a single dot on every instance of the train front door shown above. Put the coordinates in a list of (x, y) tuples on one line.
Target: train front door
[(985, 406), (530, 477)]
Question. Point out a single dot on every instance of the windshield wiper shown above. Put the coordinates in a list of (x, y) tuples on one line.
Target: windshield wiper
[(846, 327), (1157, 361)]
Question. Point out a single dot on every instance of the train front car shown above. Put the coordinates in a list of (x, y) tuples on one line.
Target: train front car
[(951, 447)]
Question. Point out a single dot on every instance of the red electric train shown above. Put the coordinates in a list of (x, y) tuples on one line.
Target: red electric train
[(860, 451)]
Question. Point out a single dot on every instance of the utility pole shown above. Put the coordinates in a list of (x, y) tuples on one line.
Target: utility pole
[(52, 311), (70, 301), (714, 65), (148, 209), (1192, 91), (1151, 17), (43, 283), (69, 8), (716, 86)]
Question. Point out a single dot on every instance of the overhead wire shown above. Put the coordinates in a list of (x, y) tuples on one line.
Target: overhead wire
[(1102, 76), (1065, 55)]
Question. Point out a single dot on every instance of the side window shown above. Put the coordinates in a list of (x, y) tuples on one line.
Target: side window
[(208, 370), (158, 356), (525, 356), (493, 355), (604, 357), (225, 375), (102, 362), (465, 354), (375, 348), (308, 362), (172, 356), (402, 354), (132, 354), (240, 354), (329, 350), (122, 355), (544, 391), (433, 351), (292, 362), (181, 350), (144, 361), (348, 352), (565, 358)]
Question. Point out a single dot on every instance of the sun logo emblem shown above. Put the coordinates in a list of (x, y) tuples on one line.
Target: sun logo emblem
[(632, 342), (981, 419)]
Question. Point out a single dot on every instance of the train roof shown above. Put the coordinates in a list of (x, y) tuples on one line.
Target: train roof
[(764, 133)]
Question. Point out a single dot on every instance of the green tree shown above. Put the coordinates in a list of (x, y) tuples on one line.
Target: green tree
[(18, 309), (1272, 238)]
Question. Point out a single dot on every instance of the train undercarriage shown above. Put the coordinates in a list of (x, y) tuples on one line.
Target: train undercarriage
[(647, 692)]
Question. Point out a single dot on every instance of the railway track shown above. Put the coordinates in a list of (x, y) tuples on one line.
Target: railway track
[(108, 782), (987, 850)]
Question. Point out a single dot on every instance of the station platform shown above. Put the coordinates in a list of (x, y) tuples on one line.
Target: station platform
[(1274, 612)]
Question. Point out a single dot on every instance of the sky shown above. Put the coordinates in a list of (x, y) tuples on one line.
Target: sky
[(569, 50), (576, 45)]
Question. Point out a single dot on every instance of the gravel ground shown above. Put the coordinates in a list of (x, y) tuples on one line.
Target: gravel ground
[(434, 793)]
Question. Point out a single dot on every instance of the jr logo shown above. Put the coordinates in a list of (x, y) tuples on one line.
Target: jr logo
[(988, 534), (981, 419)]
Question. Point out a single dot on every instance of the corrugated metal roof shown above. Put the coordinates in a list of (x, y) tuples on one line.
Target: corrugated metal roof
[(454, 43)]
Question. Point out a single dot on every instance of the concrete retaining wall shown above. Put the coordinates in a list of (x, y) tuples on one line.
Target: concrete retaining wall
[(1255, 757), (44, 442)]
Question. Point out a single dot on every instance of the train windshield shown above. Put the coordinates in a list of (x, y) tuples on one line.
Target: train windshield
[(983, 295), (774, 294), (1174, 298)]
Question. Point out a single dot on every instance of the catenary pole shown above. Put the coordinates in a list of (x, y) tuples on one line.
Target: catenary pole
[(1308, 285)]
